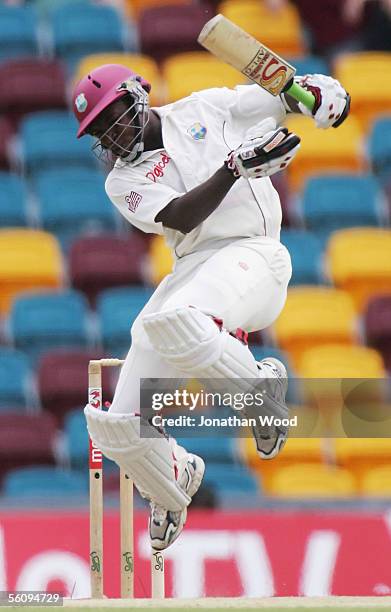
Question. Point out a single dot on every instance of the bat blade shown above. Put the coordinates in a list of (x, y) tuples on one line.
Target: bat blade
[(236, 47)]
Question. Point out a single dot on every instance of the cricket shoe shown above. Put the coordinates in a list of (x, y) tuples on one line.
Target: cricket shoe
[(270, 439), (164, 525)]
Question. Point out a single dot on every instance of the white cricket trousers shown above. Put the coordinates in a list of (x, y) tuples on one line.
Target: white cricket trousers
[(244, 284)]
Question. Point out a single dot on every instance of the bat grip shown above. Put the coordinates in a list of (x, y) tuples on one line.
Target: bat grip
[(301, 95)]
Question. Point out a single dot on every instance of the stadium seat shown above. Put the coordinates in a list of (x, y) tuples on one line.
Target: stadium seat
[(362, 454), (336, 361), (325, 151), (15, 380), (313, 316), (141, 64), (376, 482), (43, 321), (48, 141), (161, 260), (185, 73), (117, 309), (101, 262), (6, 135), (80, 207), (28, 259), (63, 380), (337, 202), (82, 28), (359, 73), (26, 439), (306, 253), (177, 30), (230, 479), (379, 149), (302, 480), (76, 438), (377, 325), (13, 209), (18, 32), (33, 84), (310, 450), (135, 7), (43, 483), (217, 449), (279, 29), (359, 261), (310, 64)]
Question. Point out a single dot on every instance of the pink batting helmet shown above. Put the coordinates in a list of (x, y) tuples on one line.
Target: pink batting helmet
[(98, 89)]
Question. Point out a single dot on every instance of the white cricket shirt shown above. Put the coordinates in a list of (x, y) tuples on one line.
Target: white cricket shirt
[(198, 133)]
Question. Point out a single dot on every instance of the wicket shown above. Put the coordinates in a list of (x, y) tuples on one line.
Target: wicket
[(126, 509)]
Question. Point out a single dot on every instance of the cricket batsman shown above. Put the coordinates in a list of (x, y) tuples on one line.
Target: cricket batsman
[(197, 172)]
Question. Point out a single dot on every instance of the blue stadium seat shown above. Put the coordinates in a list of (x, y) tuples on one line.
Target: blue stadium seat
[(15, 380), (310, 64), (305, 250), (48, 141), (73, 202), (117, 309), (13, 212), (17, 32), (340, 201), (379, 147), (230, 479), (42, 321), (77, 438), (44, 482), (82, 28), (218, 449)]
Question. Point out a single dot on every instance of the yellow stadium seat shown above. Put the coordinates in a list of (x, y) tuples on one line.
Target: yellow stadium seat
[(359, 261), (328, 151), (376, 482), (141, 64), (29, 259), (193, 71), (365, 76), (313, 481), (134, 7), (160, 258), (313, 316), (336, 361), (361, 454), (310, 450), (280, 30)]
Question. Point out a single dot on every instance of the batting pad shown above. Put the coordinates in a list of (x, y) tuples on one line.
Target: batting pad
[(147, 461), (191, 341)]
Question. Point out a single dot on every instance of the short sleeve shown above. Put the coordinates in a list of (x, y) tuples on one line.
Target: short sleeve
[(256, 104), (141, 202)]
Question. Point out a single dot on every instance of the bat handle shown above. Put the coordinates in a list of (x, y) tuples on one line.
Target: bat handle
[(301, 95)]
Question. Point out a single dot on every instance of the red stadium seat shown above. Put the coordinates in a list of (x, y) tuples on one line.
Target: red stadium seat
[(6, 133), (100, 262), (165, 30), (63, 381), (377, 321), (26, 439), (32, 84)]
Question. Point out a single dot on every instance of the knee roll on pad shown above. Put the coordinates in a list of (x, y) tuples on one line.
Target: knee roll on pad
[(191, 341), (147, 461)]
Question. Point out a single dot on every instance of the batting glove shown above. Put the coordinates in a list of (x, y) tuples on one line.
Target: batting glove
[(332, 102), (267, 151)]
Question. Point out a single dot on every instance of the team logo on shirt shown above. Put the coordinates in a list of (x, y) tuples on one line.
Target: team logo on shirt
[(133, 200), (158, 168), (197, 131)]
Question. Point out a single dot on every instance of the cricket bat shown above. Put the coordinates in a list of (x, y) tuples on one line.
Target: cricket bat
[(234, 46)]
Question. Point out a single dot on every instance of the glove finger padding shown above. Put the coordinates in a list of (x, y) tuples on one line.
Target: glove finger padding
[(332, 102), (264, 156)]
